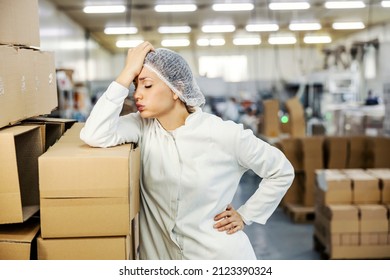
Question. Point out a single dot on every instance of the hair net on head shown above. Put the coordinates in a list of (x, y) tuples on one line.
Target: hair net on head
[(173, 70)]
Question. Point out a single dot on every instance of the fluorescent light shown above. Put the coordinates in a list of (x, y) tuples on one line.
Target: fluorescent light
[(304, 26), (218, 28), (262, 27), (348, 25), (210, 42), (317, 39), (282, 40), (128, 43), (175, 43), (120, 30), (289, 6), (175, 8), (344, 4), (233, 7), (104, 9), (174, 29), (247, 41), (385, 4)]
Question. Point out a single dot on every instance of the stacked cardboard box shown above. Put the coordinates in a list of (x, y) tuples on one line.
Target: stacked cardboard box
[(350, 222), (28, 84), (270, 126), (297, 121), (89, 200)]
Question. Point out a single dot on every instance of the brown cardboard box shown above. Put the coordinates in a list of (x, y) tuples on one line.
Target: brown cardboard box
[(365, 187), (356, 152), (378, 150), (334, 187), (17, 241), (295, 193), (83, 188), (296, 117), (19, 22), (28, 85), (292, 149), (312, 152), (373, 218), (383, 174), (86, 248), (20, 147), (271, 122), (335, 152), (342, 218)]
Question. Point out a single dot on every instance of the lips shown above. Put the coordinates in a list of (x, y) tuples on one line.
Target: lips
[(140, 107)]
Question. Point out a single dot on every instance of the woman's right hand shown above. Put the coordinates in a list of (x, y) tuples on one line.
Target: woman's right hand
[(134, 63)]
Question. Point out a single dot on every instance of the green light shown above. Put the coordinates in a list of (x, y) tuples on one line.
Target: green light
[(284, 119)]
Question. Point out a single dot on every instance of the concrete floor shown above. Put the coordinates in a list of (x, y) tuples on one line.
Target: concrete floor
[(280, 238)]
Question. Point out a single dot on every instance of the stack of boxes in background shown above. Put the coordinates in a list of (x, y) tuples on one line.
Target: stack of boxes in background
[(59, 198)]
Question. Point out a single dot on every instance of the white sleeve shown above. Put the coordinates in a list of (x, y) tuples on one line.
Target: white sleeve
[(273, 167), (104, 127)]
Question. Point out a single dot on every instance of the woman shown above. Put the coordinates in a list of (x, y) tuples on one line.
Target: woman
[(191, 162)]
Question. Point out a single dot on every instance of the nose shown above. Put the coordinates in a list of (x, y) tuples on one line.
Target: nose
[(137, 95)]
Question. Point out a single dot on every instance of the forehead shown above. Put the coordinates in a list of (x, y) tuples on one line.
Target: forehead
[(147, 74)]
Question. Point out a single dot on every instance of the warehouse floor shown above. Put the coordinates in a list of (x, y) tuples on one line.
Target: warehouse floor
[(280, 238)]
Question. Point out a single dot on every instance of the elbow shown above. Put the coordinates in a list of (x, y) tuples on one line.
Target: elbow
[(90, 140)]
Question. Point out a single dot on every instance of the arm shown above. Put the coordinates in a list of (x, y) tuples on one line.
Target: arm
[(275, 170), (104, 127)]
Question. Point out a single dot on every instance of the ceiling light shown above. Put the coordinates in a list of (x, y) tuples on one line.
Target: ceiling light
[(282, 40), (304, 26), (128, 43), (289, 6), (317, 39), (210, 42), (348, 25), (174, 29), (250, 41), (104, 9), (233, 7), (344, 4), (120, 30), (175, 8), (218, 28), (262, 27), (175, 43), (385, 4)]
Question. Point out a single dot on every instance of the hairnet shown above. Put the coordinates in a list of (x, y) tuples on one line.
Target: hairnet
[(174, 71)]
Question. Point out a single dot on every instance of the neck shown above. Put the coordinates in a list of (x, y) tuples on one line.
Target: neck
[(175, 118)]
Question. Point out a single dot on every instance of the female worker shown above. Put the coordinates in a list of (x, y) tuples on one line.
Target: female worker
[(191, 161)]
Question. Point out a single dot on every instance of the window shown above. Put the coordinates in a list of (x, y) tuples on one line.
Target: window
[(231, 68)]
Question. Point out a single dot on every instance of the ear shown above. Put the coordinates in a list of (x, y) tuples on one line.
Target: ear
[(174, 96)]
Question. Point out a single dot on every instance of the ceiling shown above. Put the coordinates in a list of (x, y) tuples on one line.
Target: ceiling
[(141, 14)]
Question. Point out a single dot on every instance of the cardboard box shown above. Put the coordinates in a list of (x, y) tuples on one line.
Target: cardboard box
[(83, 188), (373, 218), (296, 117), (87, 248), (28, 84), (383, 174), (295, 193), (18, 241), (20, 147), (378, 149), (19, 22), (292, 149), (271, 122), (335, 152), (341, 218), (365, 187), (356, 152), (312, 152), (334, 187)]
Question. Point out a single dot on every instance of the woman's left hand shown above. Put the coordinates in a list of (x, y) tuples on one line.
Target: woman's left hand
[(229, 220)]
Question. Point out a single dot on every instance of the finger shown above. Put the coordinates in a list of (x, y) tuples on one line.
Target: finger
[(222, 215)]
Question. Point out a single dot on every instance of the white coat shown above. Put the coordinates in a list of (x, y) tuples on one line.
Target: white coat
[(190, 175)]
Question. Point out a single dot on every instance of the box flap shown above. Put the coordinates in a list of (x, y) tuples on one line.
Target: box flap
[(23, 232)]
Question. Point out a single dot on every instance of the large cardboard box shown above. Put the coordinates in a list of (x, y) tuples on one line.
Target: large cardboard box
[(20, 147), (356, 152), (378, 150), (28, 84), (365, 187), (334, 187), (83, 188), (292, 149), (297, 119), (335, 152), (271, 122), (85, 248), (18, 241), (19, 22), (383, 174)]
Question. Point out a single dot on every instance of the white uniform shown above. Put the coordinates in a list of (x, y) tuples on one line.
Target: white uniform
[(189, 175)]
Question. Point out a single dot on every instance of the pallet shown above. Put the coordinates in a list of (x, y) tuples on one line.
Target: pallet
[(299, 213)]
